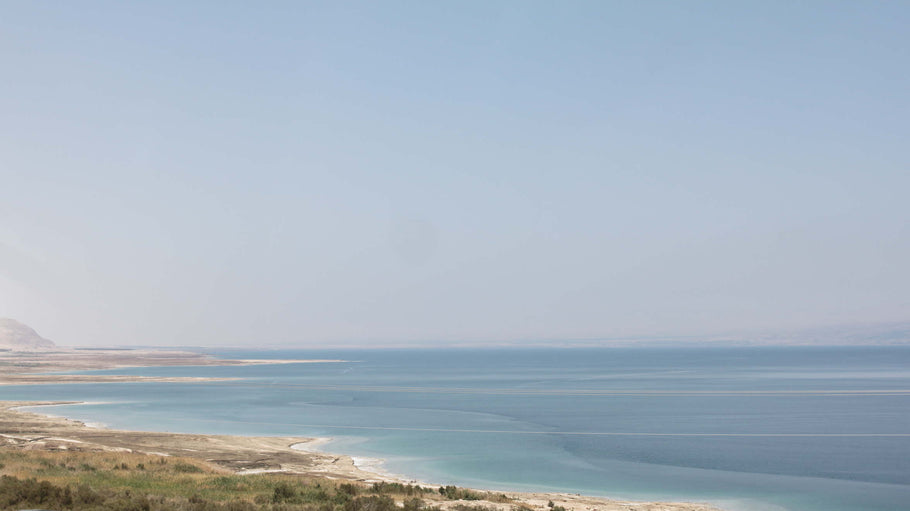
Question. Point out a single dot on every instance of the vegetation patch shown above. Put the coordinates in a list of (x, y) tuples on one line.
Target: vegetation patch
[(122, 481)]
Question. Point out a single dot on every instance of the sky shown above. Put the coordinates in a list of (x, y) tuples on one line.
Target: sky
[(323, 174)]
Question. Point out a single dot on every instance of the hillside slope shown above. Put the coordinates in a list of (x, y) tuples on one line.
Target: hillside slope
[(16, 336)]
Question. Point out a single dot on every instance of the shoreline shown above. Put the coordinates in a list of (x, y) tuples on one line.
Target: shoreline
[(364, 463), (33, 431)]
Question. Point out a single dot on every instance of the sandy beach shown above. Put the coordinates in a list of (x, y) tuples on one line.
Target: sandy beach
[(25, 430)]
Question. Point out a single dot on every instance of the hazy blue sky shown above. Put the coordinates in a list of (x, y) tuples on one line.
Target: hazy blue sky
[(385, 172)]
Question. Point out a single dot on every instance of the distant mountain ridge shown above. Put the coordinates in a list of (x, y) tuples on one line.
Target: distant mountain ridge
[(17, 336)]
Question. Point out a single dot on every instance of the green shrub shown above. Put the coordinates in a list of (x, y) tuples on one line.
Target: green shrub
[(186, 468), (371, 503), (347, 489), (414, 504), (283, 492), (455, 493)]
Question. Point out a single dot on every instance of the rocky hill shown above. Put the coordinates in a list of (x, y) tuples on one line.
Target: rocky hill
[(18, 337)]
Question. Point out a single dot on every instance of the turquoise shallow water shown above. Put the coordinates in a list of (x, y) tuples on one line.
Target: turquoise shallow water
[(747, 428)]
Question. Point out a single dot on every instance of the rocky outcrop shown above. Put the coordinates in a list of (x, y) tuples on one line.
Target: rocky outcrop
[(16, 336)]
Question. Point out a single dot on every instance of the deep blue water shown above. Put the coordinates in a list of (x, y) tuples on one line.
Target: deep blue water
[(746, 428)]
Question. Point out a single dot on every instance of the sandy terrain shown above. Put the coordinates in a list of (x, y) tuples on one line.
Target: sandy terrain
[(27, 430), (20, 368)]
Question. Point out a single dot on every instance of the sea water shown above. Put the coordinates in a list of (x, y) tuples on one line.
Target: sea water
[(802, 429)]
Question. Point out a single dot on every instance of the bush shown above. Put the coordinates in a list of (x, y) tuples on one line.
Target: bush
[(407, 489), (371, 503), (15, 492), (186, 468), (283, 493), (347, 489), (414, 504), (314, 494), (455, 493)]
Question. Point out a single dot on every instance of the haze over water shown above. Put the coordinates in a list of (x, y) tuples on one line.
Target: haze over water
[(426, 174), (803, 429)]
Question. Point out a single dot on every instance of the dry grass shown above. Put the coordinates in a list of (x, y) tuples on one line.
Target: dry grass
[(158, 483), (157, 475)]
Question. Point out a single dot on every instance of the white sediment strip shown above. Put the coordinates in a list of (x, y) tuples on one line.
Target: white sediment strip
[(369, 464), (365, 463), (377, 466), (39, 409), (311, 445)]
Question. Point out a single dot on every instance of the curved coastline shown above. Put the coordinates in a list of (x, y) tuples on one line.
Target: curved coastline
[(37, 430), (31, 430)]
